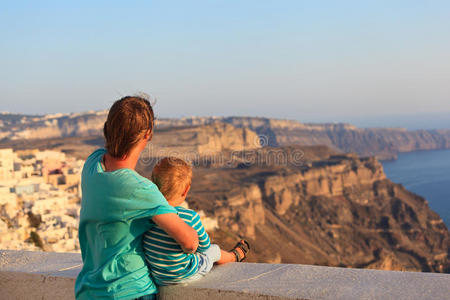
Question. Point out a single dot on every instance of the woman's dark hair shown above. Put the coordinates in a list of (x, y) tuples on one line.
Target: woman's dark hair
[(128, 121)]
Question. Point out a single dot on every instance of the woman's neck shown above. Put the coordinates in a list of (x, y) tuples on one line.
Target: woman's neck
[(129, 162)]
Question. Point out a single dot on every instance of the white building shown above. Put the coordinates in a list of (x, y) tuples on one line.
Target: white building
[(6, 196), (6, 164), (50, 205), (50, 155)]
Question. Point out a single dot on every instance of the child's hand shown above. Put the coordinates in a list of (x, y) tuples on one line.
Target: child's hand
[(188, 251)]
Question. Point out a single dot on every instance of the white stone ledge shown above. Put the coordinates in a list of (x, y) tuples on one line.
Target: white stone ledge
[(43, 275)]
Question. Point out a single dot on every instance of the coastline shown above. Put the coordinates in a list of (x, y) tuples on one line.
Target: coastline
[(424, 173)]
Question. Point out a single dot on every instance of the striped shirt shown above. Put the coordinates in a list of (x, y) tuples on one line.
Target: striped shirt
[(167, 261)]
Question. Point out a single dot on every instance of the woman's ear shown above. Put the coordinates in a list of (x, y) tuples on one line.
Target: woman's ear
[(148, 135)]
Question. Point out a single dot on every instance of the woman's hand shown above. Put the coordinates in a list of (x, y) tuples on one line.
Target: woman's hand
[(185, 235)]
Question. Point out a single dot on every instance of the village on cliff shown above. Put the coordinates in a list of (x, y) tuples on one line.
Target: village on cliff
[(39, 200)]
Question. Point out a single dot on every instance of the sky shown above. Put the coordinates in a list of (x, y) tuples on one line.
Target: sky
[(375, 63)]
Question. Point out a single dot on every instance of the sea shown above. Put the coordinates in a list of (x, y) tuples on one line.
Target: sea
[(426, 173)]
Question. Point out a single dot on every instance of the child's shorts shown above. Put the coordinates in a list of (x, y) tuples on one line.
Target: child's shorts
[(206, 261)]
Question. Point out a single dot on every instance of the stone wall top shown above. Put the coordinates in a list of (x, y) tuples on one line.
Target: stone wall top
[(43, 275)]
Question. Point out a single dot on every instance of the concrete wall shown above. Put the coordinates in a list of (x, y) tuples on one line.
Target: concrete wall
[(43, 275)]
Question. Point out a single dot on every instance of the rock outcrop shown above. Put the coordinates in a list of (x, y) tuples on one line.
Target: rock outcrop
[(195, 141), (18, 127), (188, 142), (384, 143)]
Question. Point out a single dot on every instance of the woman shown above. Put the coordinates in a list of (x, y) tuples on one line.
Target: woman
[(118, 206)]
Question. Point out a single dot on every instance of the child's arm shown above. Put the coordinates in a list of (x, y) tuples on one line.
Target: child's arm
[(185, 236), (203, 237)]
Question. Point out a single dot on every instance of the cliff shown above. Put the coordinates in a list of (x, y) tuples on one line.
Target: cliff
[(16, 127), (384, 143), (189, 142), (194, 141), (336, 210)]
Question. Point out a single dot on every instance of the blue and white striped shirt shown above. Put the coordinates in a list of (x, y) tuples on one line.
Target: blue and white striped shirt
[(167, 261)]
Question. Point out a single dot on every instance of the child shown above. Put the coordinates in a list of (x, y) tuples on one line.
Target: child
[(167, 261)]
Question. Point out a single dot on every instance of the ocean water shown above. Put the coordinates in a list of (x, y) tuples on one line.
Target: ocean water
[(426, 173)]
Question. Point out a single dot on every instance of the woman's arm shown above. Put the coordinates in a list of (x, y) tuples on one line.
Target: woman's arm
[(185, 235)]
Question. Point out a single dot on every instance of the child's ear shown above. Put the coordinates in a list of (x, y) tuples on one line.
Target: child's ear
[(186, 190)]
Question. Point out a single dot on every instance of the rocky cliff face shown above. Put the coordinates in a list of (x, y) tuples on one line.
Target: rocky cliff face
[(338, 210), (17, 127), (384, 143), (188, 142), (195, 141)]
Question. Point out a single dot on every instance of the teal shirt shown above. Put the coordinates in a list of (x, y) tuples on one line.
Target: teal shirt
[(116, 209)]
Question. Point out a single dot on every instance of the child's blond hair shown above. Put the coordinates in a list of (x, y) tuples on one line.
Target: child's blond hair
[(172, 176)]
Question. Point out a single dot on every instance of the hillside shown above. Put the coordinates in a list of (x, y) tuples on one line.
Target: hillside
[(384, 143), (336, 210)]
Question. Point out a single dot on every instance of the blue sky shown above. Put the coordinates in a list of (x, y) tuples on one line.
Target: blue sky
[(306, 60)]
